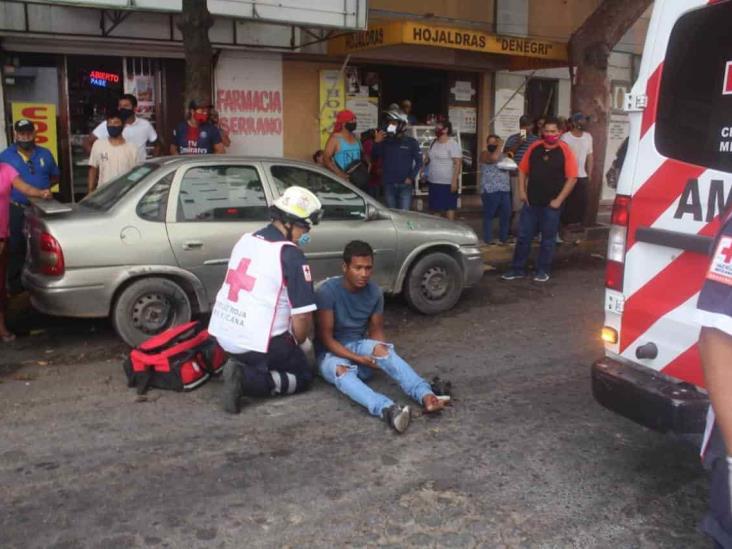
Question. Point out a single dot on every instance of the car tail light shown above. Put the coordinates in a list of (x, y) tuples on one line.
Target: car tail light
[(51, 256), (616, 243)]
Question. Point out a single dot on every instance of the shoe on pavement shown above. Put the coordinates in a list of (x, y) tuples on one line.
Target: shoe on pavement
[(233, 387), (398, 418), (512, 275), (541, 277)]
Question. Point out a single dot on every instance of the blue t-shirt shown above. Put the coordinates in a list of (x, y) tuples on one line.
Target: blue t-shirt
[(296, 271), (196, 139), (37, 171), (351, 310), (714, 308)]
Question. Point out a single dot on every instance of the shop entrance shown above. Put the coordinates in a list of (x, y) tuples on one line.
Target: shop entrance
[(95, 84), (541, 97), (426, 89)]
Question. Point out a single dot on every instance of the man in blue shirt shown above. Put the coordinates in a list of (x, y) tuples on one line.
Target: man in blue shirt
[(196, 134), (351, 343), (36, 166), (714, 314), (401, 160)]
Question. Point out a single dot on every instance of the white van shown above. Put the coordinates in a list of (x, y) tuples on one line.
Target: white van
[(674, 184)]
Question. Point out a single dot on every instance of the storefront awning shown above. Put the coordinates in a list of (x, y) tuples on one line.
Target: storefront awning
[(381, 34)]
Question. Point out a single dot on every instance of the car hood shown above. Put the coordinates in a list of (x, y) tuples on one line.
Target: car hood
[(442, 228)]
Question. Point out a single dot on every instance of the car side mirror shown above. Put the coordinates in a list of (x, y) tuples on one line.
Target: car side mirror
[(372, 212)]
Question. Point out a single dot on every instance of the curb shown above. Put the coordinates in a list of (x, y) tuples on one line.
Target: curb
[(495, 256)]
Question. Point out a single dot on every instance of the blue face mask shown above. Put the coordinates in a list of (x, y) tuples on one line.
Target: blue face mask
[(304, 240)]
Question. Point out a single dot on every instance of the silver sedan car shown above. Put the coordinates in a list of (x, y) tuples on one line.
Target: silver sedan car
[(150, 249)]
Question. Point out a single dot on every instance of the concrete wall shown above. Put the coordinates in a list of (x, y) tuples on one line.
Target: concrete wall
[(301, 96), (476, 11)]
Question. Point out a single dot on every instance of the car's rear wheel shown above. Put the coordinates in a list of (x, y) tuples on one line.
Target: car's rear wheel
[(149, 306), (434, 283)]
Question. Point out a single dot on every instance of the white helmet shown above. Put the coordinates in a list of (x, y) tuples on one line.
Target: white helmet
[(298, 205)]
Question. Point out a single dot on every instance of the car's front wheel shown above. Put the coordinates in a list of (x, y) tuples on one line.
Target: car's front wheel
[(434, 283), (147, 307)]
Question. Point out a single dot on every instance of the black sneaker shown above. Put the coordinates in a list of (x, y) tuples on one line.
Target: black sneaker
[(233, 387), (397, 418), (441, 387)]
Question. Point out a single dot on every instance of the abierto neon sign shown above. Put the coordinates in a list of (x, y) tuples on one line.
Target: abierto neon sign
[(102, 79)]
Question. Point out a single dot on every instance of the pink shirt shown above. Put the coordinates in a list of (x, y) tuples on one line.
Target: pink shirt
[(7, 176)]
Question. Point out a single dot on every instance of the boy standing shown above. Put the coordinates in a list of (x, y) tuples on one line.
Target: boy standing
[(111, 157)]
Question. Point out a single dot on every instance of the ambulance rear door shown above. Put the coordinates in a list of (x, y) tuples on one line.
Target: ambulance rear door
[(675, 183)]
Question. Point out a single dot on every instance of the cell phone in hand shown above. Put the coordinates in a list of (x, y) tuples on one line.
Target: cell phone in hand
[(522, 133)]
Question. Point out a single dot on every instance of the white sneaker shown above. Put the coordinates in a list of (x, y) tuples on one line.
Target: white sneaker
[(398, 418)]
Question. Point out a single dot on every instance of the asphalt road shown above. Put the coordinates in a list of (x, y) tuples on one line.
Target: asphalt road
[(525, 458)]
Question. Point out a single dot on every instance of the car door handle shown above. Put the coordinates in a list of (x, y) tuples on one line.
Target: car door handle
[(192, 245)]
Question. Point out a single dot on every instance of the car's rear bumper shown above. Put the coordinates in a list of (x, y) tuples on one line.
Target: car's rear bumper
[(473, 265), (66, 298), (649, 398)]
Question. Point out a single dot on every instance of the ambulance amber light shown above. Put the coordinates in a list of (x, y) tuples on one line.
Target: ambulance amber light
[(621, 210), (609, 335)]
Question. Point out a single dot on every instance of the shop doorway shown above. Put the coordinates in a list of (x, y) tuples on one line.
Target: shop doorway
[(541, 97), (426, 89), (94, 85)]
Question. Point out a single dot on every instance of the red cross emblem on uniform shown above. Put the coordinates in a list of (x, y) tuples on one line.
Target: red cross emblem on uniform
[(727, 253), (239, 280)]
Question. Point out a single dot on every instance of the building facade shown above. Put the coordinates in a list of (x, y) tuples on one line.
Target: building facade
[(280, 79)]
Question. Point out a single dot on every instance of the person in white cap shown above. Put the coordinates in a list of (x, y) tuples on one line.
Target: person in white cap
[(263, 311)]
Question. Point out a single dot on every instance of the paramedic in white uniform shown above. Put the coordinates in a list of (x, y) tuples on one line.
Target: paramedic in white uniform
[(264, 309)]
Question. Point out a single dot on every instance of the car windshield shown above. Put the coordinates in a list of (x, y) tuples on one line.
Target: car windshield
[(107, 196)]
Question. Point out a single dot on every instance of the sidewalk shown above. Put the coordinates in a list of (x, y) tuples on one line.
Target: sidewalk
[(584, 243)]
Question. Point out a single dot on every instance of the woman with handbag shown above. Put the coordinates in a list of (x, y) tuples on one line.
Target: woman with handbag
[(9, 178), (343, 149)]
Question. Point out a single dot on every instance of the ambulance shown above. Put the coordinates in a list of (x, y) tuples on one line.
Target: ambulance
[(674, 185)]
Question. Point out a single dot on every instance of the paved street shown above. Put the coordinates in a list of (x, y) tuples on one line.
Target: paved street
[(525, 458)]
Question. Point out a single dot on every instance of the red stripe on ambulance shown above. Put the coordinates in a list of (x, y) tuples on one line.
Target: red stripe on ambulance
[(658, 193), (686, 367), (666, 291)]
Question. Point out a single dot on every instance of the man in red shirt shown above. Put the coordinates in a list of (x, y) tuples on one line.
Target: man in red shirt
[(547, 175)]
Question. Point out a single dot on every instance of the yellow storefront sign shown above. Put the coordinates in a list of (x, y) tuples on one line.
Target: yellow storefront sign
[(332, 100), (421, 34), (43, 116)]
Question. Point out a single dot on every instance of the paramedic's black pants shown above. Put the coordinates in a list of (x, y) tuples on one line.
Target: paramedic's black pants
[(717, 523), (282, 370)]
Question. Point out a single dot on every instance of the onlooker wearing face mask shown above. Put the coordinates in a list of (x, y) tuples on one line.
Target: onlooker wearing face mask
[(196, 135), (138, 131), (444, 158), (110, 157), (36, 166), (581, 144), (401, 160), (495, 191), (547, 173), (343, 149)]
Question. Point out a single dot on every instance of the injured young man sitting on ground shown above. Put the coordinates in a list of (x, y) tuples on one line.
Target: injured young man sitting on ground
[(351, 344)]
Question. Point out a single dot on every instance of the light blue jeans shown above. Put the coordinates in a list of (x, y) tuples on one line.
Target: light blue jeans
[(352, 382)]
